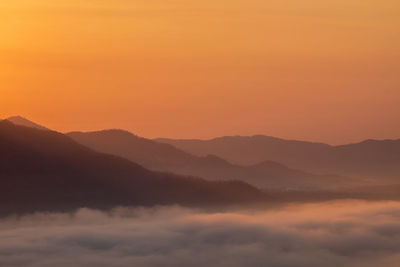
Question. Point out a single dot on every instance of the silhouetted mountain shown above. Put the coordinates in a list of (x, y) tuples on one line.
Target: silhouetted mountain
[(374, 159), (248, 149), (46, 170), (18, 120), (157, 156), (152, 155)]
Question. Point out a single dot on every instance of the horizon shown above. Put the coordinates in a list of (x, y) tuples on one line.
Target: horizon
[(200, 139)]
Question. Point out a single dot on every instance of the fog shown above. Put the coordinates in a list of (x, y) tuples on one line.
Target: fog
[(340, 233)]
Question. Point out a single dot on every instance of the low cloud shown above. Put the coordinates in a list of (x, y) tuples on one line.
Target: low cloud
[(344, 233)]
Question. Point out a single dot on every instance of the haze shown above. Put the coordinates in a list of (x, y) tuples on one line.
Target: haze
[(316, 70), (313, 235)]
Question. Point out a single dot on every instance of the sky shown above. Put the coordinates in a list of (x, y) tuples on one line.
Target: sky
[(300, 69)]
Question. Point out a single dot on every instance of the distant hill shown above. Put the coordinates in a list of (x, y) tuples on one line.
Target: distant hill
[(165, 157), (248, 149), (46, 170), (371, 158), (153, 155), (18, 120)]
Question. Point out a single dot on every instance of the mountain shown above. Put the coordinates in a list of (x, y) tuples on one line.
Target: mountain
[(165, 157), (153, 155), (46, 170), (18, 120), (372, 158), (248, 149)]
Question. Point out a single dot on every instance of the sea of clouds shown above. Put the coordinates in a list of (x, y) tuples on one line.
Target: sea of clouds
[(342, 233)]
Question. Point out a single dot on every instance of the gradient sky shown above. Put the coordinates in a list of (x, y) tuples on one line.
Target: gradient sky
[(317, 70)]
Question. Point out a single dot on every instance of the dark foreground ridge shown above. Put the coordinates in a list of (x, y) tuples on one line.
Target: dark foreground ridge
[(48, 171)]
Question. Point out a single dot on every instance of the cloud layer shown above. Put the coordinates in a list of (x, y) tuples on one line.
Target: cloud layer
[(330, 234)]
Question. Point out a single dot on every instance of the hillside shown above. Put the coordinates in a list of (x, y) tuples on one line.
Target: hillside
[(45, 170), (165, 157), (377, 159)]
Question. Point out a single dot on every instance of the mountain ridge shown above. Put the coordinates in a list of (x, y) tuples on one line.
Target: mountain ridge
[(46, 170), (370, 158), (165, 157)]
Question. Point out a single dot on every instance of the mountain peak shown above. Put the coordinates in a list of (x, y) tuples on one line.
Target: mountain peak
[(19, 120)]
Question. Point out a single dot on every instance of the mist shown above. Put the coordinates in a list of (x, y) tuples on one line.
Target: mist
[(339, 233)]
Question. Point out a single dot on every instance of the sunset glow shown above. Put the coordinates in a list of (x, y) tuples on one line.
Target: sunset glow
[(221, 133), (315, 70)]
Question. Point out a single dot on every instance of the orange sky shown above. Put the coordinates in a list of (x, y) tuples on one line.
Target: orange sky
[(317, 70)]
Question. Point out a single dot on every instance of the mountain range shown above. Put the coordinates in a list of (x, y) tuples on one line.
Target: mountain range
[(165, 157), (264, 173), (373, 159), (41, 169), (47, 170)]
